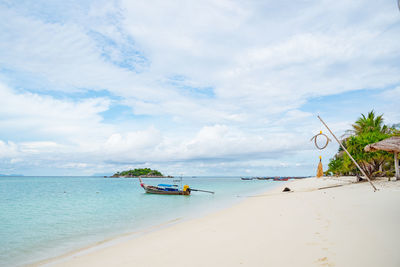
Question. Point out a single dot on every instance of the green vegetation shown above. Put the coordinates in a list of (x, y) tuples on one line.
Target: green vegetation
[(138, 172), (366, 130)]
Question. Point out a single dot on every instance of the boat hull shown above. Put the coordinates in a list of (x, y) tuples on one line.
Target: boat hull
[(154, 190), (161, 192)]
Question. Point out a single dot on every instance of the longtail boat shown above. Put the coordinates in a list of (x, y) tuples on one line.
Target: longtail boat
[(167, 189)]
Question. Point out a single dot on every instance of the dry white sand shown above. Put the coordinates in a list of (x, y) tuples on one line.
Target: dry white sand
[(350, 225)]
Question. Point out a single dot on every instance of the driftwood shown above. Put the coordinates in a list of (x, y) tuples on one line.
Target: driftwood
[(331, 186)]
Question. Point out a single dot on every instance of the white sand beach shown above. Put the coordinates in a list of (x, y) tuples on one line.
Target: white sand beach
[(349, 225)]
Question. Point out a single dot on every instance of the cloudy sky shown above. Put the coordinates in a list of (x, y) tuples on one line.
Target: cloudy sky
[(189, 87)]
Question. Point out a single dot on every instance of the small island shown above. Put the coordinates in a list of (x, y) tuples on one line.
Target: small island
[(142, 173)]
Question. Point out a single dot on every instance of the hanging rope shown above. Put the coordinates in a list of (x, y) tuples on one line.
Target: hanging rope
[(316, 143)]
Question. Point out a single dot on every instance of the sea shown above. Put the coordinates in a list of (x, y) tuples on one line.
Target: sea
[(44, 217)]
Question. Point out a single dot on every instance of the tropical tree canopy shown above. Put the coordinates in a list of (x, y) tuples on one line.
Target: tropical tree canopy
[(366, 130), (370, 123)]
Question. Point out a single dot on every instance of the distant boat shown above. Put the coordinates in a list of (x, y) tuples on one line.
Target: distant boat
[(243, 178), (282, 179)]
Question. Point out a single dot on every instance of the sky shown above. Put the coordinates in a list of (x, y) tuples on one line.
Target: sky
[(197, 88)]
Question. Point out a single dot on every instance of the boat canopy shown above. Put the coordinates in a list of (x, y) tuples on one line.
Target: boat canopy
[(167, 185)]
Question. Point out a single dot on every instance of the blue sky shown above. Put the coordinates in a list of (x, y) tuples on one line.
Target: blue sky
[(189, 87)]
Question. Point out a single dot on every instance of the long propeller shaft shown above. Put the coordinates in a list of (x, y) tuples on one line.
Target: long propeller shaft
[(205, 191)]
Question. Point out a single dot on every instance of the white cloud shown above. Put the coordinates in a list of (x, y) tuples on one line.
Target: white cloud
[(8, 149), (393, 94), (39, 147), (44, 115), (210, 80), (391, 107), (133, 142)]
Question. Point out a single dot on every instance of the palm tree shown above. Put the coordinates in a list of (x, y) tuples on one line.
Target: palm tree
[(369, 123), (367, 129)]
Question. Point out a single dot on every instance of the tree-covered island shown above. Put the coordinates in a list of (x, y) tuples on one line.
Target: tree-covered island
[(144, 172)]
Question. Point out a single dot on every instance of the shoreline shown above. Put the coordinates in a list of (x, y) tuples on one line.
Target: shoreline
[(116, 239), (263, 229), (103, 244)]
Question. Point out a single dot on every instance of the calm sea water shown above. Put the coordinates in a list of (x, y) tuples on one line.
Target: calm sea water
[(42, 217)]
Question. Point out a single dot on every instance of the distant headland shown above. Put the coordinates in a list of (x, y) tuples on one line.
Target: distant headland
[(143, 173)]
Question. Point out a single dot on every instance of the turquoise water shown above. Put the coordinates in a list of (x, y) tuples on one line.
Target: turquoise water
[(42, 217)]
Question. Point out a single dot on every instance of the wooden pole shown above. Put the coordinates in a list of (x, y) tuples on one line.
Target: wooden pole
[(396, 165), (340, 143)]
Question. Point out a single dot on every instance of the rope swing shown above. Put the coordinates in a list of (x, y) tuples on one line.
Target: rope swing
[(315, 137)]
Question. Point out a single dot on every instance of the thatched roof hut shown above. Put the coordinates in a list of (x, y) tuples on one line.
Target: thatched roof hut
[(391, 144)]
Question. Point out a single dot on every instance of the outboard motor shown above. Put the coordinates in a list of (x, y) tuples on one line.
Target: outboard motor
[(186, 188)]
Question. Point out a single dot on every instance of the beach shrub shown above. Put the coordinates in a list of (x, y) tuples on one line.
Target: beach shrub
[(389, 174), (335, 166), (370, 162)]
